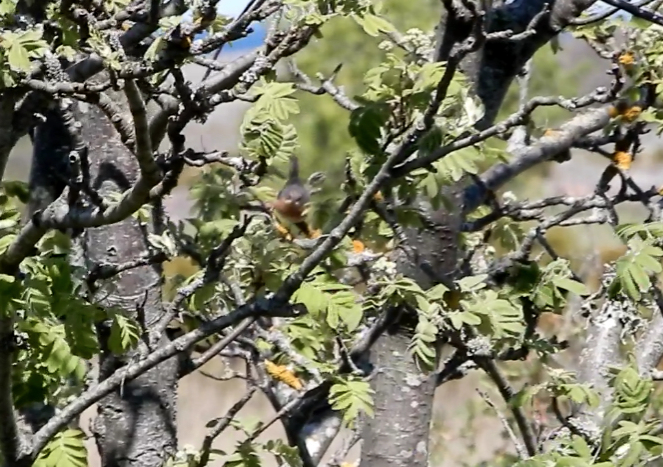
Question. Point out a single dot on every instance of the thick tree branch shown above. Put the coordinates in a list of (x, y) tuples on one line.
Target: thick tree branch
[(600, 352), (649, 347), (528, 157)]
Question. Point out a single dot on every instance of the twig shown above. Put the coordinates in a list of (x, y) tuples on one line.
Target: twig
[(490, 367), (602, 15), (637, 11), (326, 86), (277, 416), (218, 347), (520, 448), (213, 267), (222, 424), (101, 271)]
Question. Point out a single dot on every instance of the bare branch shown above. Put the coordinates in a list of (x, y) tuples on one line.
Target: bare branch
[(490, 367), (221, 424), (520, 448), (649, 347), (326, 86), (149, 170), (637, 11), (218, 347), (547, 147)]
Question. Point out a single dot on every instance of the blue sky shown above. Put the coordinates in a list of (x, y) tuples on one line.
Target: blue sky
[(233, 8)]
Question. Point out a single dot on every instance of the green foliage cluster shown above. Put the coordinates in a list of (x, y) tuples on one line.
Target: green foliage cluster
[(631, 436), (320, 124), (58, 322)]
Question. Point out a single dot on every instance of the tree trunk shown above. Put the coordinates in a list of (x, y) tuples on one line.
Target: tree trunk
[(398, 433), (136, 425)]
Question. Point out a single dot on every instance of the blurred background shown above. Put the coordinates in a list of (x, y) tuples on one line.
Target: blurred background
[(461, 434)]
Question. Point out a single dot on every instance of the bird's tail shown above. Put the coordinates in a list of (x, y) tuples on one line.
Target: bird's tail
[(294, 168)]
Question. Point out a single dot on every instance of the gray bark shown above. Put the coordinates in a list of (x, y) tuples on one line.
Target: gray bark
[(136, 425), (398, 433)]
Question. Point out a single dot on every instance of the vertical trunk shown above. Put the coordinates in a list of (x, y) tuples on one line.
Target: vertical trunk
[(135, 425), (398, 433), (490, 70)]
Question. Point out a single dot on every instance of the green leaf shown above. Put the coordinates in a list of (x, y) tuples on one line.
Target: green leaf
[(154, 49), (429, 76), (650, 230), (54, 351), (581, 447), (7, 278), (499, 318), (455, 165), (571, 285), (275, 101), (572, 462), (472, 283), (269, 139), (366, 124), (333, 319), (66, 449), (351, 398), (21, 47), (351, 316), (436, 293), (635, 268), (8, 7), (18, 58), (373, 25), (124, 334), (284, 454), (312, 298)]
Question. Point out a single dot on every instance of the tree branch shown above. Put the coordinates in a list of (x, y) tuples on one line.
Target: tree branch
[(259, 307), (12, 444)]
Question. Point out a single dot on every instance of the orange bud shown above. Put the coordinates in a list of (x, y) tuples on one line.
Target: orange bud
[(627, 59), (358, 246), (283, 374), (622, 160)]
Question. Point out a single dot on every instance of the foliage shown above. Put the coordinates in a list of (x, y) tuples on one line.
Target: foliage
[(302, 313)]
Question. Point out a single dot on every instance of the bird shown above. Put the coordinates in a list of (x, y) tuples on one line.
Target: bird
[(291, 201)]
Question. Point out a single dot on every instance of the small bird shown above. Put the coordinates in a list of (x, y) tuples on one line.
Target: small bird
[(291, 201)]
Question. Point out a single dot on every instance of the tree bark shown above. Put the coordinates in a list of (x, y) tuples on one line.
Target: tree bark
[(136, 425), (398, 433)]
